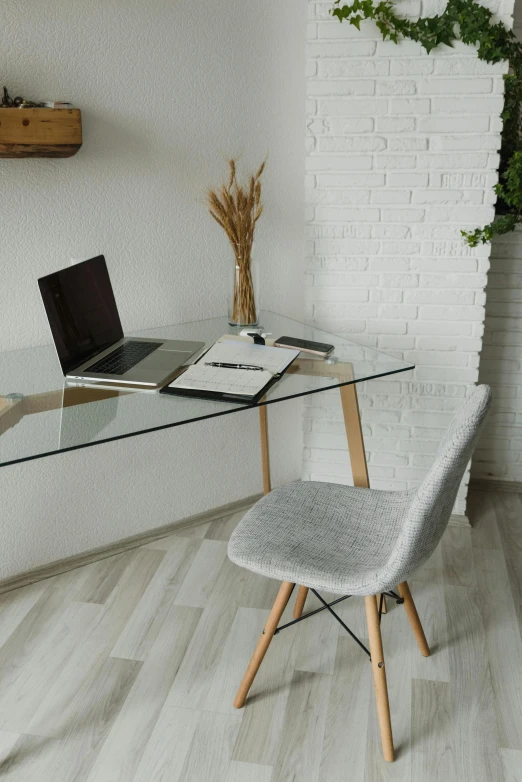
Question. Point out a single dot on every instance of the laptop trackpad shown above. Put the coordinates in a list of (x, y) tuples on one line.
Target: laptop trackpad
[(165, 360)]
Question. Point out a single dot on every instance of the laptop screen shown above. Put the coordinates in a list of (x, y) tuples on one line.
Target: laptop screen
[(82, 311)]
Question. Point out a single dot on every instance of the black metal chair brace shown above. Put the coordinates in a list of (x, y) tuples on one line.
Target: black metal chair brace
[(328, 606)]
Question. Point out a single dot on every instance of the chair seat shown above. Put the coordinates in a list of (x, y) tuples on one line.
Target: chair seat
[(322, 535)]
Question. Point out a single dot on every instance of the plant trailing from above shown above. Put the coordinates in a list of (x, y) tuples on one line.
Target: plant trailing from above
[(237, 209), (466, 21)]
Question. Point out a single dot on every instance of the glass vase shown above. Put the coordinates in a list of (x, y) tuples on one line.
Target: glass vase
[(243, 294)]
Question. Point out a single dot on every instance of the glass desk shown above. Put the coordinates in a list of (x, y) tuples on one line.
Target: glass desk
[(40, 415)]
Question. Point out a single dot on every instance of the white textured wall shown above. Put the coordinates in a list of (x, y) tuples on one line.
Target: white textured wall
[(499, 453), (169, 90), (402, 154)]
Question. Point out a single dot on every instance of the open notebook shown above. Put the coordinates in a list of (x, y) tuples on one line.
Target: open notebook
[(218, 382)]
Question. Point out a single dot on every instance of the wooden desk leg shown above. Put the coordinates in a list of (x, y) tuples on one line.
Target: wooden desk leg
[(265, 460), (354, 435)]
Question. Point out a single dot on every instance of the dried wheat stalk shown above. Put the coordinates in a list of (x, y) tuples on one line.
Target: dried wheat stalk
[(237, 209)]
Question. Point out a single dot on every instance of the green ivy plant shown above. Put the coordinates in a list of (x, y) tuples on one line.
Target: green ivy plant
[(464, 20)]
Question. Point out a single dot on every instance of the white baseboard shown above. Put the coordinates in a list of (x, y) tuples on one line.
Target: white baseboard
[(490, 484), (459, 520)]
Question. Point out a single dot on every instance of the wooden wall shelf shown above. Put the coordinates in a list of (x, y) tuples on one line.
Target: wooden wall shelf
[(40, 132)]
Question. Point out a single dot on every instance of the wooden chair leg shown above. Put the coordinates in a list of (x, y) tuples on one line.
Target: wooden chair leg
[(379, 677), (300, 602), (264, 642), (413, 616)]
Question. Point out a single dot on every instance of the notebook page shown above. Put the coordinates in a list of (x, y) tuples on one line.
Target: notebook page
[(245, 382)]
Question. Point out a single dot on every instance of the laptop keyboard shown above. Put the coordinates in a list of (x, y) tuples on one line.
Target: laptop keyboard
[(124, 358)]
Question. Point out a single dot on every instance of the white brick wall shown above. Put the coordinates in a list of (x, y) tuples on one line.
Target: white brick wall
[(402, 154), (499, 454)]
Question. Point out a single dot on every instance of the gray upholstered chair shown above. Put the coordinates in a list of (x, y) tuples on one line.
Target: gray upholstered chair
[(354, 541)]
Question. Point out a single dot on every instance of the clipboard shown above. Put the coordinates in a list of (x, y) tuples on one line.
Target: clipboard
[(205, 382)]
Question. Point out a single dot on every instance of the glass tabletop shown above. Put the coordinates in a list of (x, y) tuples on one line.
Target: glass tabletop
[(41, 415)]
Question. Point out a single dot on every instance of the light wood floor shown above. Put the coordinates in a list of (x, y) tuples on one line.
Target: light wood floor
[(125, 670)]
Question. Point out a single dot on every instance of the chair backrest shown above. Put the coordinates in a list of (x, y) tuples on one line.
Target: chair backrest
[(432, 503)]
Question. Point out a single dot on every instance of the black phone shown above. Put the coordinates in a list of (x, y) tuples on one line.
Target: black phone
[(306, 345)]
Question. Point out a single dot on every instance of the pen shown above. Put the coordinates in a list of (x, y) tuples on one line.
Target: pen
[(233, 366)]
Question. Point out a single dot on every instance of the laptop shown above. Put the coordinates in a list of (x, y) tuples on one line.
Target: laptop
[(89, 339)]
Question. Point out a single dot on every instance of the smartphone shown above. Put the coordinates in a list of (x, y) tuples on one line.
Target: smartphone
[(307, 346)]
